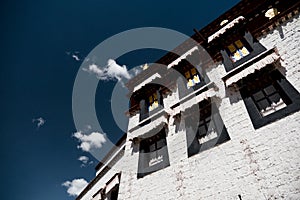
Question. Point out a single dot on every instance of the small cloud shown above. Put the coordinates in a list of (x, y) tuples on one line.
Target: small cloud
[(39, 122), (94, 69), (88, 142), (74, 55), (75, 186), (110, 72), (85, 161)]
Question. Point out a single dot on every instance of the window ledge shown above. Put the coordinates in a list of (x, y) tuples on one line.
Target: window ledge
[(204, 92), (249, 67), (225, 28), (182, 57), (148, 80), (157, 120)]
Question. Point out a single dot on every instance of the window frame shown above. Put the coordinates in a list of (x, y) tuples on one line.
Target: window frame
[(145, 112), (252, 44), (145, 154), (152, 100), (193, 72), (267, 97), (289, 95), (244, 43), (194, 136), (185, 66), (113, 193)]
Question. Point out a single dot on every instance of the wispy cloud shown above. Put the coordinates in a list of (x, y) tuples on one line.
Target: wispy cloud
[(75, 186), (111, 71), (74, 55), (85, 161), (39, 122), (88, 142)]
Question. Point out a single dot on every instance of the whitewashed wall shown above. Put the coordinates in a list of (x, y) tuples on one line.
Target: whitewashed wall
[(256, 164)]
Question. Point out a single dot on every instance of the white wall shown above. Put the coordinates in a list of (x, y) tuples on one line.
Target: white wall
[(257, 164)]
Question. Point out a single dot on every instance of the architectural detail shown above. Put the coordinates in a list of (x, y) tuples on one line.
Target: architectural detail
[(219, 119), (249, 67), (225, 28)]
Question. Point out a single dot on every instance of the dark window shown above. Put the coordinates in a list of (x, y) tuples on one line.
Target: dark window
[(203, 126), (205, 131), (192, 80), (153, 154), (268, 96), (113, 194), (193, 77), (111, 191), (190, 70), (150, 104), (238, 50)]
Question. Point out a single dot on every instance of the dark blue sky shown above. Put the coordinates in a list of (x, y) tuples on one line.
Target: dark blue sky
[(37, 78)]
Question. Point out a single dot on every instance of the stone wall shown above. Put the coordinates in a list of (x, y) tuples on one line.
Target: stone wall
[(255, 164)]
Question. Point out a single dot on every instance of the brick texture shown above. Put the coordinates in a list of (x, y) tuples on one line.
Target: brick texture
[(256, 163)]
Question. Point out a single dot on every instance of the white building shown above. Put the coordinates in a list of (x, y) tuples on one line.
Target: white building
[(218, 125)]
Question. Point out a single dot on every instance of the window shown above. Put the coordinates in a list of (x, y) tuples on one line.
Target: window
[(192, 73), (268, 96), (150, 104), (203, 127), (238, 50), (191, 81), (269, 99), (153, 154), (112, 188), (193, 77), (113, 194), (208, 131)]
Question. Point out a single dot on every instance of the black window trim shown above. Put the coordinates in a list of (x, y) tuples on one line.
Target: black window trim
[(193, 143), (144, 110), (254, 45), (144, 171), (257, 119), (249, 63)]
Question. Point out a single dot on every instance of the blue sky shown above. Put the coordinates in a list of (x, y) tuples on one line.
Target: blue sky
[(38, 39)]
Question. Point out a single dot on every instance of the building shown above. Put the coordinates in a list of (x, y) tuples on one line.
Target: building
[(218, 125)]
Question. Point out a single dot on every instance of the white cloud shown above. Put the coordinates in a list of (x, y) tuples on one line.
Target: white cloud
[(88, 142), (75, 186), (111, 71), (96, 70), (76, 57), (39, 122), (85, 161)]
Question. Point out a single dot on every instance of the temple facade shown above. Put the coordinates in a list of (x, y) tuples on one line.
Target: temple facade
[(216, 118)]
